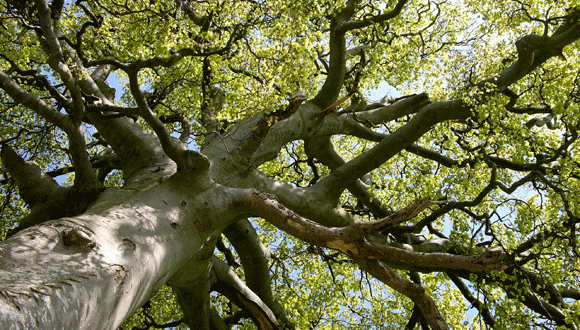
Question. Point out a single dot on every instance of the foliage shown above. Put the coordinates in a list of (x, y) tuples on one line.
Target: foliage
[(508, 172)]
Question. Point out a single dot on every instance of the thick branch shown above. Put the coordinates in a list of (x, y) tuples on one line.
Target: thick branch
[(56, 60), (85, 178), (46, 198), (195, 306), (350, 240), (212, 105), (120, 111), (186, 7), (186, 160), (401, 216), (194, 298), (322, 149), (542, 307), (437, 112), (337, 63), (120, 132), (403, 137), (216, 321), (34, 103), (254, 257), (570, 293), (533, 51), (368, 21), (416, 316), (307, 124), (406, 106), (402, 285), (33, 78), (230, 285), (34, 185)]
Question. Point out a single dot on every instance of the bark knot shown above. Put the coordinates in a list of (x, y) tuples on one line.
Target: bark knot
[(126, 245), (78, 238)]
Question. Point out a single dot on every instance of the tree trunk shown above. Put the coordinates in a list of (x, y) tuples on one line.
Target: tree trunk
[(99, 267)]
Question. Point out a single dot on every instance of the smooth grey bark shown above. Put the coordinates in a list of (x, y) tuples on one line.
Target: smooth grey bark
[(99, 267), (255, 258), (161, 227)]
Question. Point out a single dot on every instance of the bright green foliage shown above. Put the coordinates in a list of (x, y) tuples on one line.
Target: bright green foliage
[(327, 291), (512, 168), (162, 310)]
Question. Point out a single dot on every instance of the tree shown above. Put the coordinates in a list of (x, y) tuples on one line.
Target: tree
[(452, 203)]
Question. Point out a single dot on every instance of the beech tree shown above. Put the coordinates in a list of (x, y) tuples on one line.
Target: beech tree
[(223, 164)]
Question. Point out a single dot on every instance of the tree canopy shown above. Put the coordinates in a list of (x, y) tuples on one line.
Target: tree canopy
[(450, 201)]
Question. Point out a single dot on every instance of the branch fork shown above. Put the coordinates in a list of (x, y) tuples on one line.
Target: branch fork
[(47, 199), (351, 240)]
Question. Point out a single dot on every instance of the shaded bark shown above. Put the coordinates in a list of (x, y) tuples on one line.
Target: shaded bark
[(114, 250), (121, 250)]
